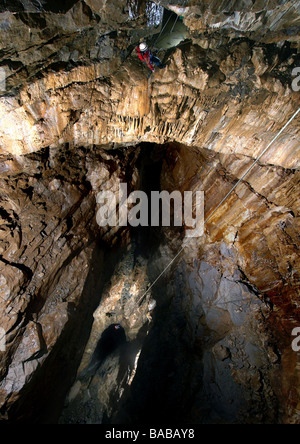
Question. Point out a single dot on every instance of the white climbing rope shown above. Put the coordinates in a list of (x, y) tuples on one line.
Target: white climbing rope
[(183, 6), (253, 165), (221, 203)]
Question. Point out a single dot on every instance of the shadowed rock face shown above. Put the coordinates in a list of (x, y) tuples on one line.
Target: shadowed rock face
[(111, 339), (211, 341), (36, 6)]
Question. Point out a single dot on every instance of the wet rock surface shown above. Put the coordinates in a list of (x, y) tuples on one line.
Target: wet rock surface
[(211, 341)]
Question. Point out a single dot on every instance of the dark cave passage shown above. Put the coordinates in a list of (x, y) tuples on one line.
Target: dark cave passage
[(175, 366), (190, 349), (111, 349), (150, 167)]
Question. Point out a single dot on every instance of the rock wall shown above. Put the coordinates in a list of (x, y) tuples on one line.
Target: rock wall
[(265, 21), (49, 251), (215, 327), (225, 103)]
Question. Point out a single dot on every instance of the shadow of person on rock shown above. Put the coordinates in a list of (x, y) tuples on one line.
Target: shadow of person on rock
[(111, 339)]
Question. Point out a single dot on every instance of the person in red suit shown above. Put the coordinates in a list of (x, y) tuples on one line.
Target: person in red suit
[(146, 57)]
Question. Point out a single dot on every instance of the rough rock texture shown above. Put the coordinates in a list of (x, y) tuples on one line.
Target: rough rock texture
[(215, 326), (93, 399), (267, 21), (49, 247), (222, 101), (79, 115)]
